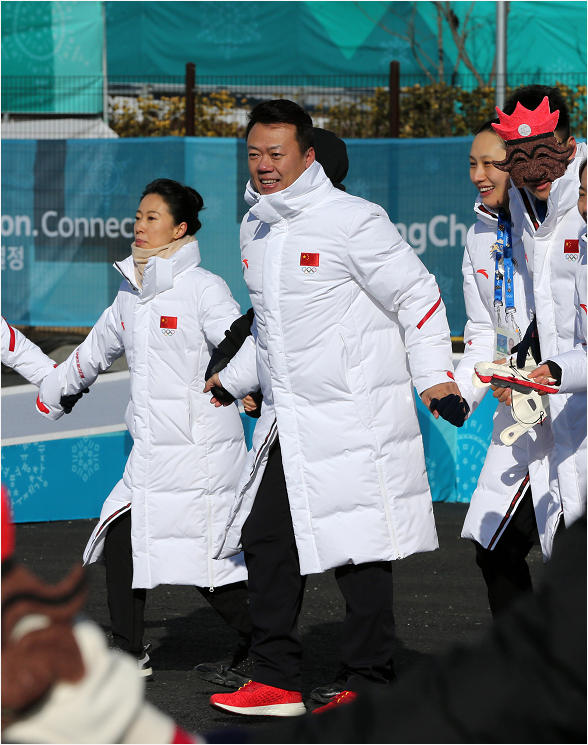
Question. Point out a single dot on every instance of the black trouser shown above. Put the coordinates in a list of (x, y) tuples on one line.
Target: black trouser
[(504, 568), (276, 589), (127, 605)]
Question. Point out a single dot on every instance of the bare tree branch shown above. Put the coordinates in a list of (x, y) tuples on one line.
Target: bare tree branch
[(410, 38), (459, 33), (441, 69), (459, 38)]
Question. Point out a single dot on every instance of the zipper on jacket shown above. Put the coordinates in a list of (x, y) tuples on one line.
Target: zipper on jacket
[(387, 509), (209, 528)]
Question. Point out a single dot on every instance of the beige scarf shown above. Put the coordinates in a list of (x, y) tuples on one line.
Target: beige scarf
[(142, 255)]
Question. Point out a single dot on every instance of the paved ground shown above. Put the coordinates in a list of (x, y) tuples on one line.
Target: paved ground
[(440, 600)]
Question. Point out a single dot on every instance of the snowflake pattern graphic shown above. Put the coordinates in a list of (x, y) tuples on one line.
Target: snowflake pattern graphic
[(85, 458), (39, 45), (470, 457), (232, 25), (28, 476), (395, 49), (104, 174)]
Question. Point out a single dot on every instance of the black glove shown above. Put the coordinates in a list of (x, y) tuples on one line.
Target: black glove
[(221, 395), (452, 408), (218, 362), (555, 371), (68, 402), (258, 398), (529, 341)]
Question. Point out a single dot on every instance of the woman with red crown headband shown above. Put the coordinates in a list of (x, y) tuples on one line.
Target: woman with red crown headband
[(513, 488)]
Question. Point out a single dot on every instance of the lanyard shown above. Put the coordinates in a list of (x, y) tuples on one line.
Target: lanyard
[(503, 250)]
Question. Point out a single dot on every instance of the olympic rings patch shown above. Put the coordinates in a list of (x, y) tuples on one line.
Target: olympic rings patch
[(309, 269), (168, 332)]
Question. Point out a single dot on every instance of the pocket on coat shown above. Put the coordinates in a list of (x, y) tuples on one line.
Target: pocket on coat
[(356, 384), (344, 360)]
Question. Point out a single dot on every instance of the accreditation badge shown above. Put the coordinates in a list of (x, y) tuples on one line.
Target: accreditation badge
[(504, 341)]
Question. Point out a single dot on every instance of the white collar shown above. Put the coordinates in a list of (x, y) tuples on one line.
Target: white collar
[(160, 273), (308, 190)]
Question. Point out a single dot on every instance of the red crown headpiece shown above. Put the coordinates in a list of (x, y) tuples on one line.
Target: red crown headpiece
[(523, 123)]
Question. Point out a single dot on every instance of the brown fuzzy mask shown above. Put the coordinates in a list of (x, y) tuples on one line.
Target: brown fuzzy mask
[(535, 159), (32, 663)]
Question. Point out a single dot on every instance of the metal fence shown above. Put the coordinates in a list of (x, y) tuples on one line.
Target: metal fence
[(44, 107)]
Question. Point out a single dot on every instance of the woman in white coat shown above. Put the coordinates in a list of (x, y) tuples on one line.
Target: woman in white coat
[(512, 502), (157, 525)]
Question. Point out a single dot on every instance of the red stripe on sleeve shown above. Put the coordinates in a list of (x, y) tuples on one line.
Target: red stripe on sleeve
[(12, 343), (429, 314), (41, 406)]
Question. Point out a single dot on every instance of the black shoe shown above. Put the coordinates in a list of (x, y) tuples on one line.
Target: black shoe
[(232, 673), (223, 675), (324, 694)]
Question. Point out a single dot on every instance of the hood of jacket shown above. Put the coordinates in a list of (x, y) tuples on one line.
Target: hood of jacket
[(160, 274), (307, 191)]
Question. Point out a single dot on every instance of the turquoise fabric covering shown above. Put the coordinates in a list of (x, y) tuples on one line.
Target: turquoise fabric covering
[(57, 49), (330, 38)]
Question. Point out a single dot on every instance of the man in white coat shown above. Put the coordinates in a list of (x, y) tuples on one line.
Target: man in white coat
[(347, 322)]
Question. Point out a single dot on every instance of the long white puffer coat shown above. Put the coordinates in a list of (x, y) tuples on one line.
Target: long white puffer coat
[(342, 305), (507, 470), (552, 249), (181, 475), (573, 363), (23, 355)]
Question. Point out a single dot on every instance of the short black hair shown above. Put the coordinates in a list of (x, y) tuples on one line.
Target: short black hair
[(183, 202), (282, 111), (487, 127), (530, 96), (582, 167)]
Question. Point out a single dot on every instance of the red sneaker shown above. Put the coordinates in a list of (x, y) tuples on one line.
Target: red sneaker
[(257, 699), (345, 697)]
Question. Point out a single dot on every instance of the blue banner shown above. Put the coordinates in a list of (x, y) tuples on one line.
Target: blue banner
[(68, 212)]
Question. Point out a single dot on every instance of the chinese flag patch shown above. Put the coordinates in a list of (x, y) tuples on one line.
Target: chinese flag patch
[(571, 246), (168, 322), (309, 259)]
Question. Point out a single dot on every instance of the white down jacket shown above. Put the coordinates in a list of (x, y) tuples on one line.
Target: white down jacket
[(181, 475), (552, 249), (23, 356), (507, 470), (573, 362), (343, 307)]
